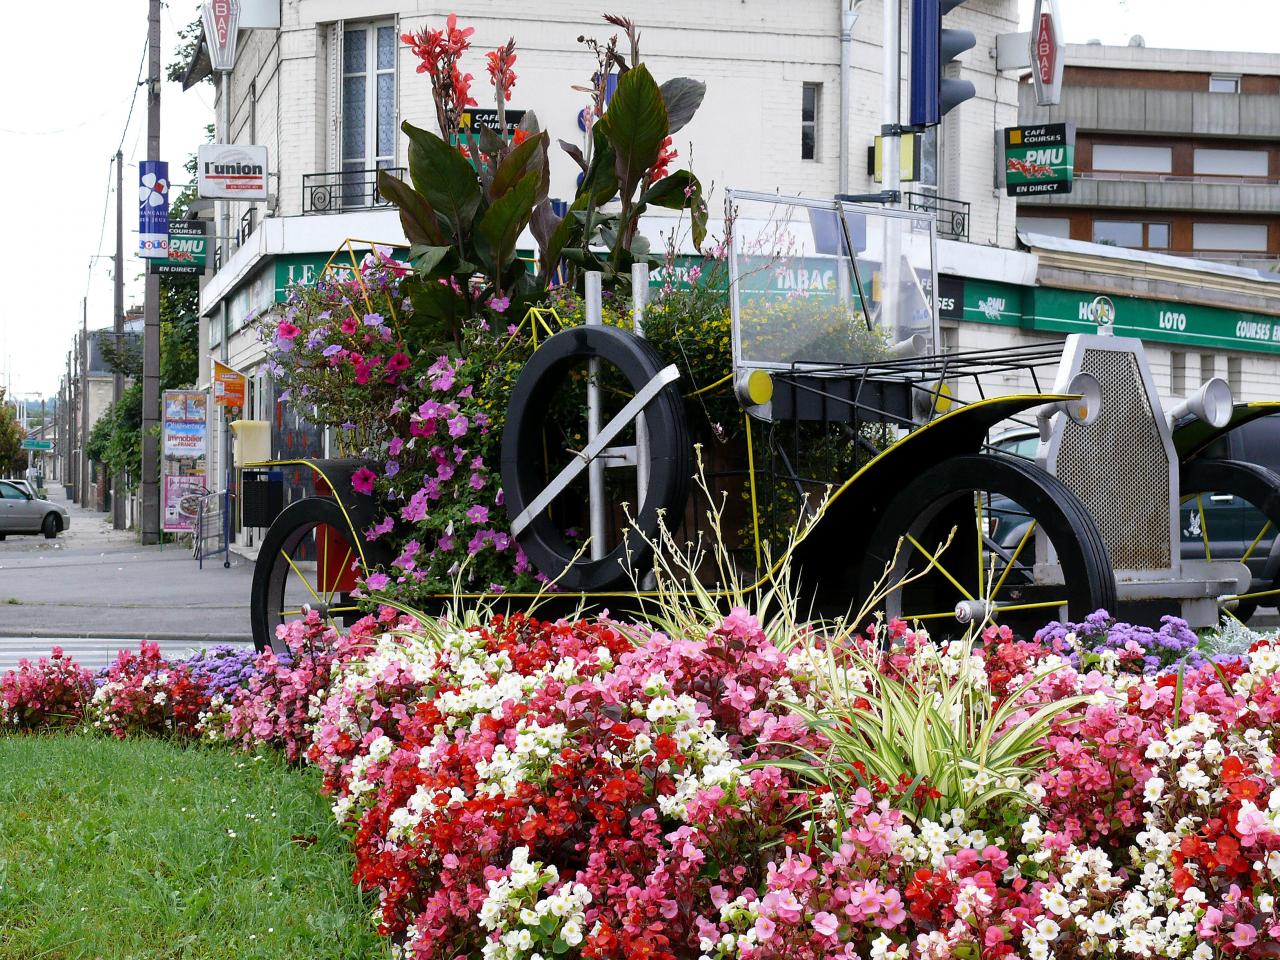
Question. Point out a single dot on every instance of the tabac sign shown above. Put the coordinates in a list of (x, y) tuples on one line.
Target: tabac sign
[(1037, 160), (1048, 52)]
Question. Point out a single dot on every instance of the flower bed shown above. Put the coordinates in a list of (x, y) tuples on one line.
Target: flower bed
[(515, 788)]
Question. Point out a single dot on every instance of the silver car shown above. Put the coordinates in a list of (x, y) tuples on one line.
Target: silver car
[(21, 512)]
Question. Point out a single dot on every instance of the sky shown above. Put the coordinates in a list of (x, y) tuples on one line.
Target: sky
[(70, 80)]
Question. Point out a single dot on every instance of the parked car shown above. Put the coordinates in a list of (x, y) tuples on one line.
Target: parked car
[(22, 512), (1231, 522), (24, 485)]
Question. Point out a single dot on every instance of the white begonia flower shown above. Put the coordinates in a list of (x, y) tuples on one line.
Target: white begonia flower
[(1153, 790)]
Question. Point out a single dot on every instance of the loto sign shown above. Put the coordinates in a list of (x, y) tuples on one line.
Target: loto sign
[(1048, 52), (229, 171)]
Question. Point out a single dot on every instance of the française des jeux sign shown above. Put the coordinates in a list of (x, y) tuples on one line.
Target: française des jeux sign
[(1038, 159)]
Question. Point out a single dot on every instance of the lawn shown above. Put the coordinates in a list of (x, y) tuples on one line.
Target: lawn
[(143, 850)]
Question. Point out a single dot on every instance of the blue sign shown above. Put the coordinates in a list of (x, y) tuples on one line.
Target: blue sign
[(153, 208)]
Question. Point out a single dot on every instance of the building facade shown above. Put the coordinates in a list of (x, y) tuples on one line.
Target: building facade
[(326, 87), (1177, 151)]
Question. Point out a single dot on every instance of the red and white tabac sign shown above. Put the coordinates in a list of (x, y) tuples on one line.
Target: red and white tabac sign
[(221, 23), (1048, 52)]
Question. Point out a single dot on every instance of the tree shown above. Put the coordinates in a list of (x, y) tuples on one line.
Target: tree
[(13, 460)]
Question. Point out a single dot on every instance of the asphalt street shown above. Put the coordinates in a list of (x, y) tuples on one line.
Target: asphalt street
[(93, 590)]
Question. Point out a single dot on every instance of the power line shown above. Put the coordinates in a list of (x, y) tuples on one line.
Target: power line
[(106, 200)]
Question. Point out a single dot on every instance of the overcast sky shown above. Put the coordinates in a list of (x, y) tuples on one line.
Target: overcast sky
[(70, 78)]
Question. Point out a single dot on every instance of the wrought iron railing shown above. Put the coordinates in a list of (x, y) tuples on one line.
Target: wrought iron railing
[(952, 215), (344, 190)]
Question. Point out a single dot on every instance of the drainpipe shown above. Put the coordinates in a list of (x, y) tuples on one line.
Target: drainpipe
[(848, 17)]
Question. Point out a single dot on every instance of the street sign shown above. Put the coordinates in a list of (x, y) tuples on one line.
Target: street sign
[(188, 250), (231, 171), (153, 208), (1037, 159), (37, 445), (221, 24), (1048, 52), (229, 385)]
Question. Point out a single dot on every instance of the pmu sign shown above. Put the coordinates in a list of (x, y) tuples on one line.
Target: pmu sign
[(188, 250), (1048, 52), (1037, 159)]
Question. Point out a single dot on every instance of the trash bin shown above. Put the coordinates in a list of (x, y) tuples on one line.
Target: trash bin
[(253, 441), (262, 497)]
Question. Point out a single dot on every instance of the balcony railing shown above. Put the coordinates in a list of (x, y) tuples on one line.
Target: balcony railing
[(952, 215), (1205, 178), (344, 190)]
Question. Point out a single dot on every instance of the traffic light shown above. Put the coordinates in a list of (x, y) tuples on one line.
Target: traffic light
[(932, 48)]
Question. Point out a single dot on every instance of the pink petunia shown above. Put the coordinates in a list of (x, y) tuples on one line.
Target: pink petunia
[(378, 581), (478, 514), (362, 480)]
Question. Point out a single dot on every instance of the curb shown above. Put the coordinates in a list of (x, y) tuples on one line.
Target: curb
[(212, 638)]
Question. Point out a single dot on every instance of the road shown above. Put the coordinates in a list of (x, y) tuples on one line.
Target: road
[(93, 590)]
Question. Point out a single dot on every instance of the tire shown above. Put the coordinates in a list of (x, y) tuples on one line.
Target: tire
[(670, 459), (942, 498), (1257, 486), (271, 571), (50, 526)]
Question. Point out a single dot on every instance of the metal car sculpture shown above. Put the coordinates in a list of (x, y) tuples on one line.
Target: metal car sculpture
[(858, 428)]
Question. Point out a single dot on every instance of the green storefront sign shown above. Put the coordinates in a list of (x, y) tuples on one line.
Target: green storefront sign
[(1038, 159), (1067, 311)]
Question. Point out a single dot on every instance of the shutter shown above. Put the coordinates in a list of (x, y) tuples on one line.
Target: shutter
[(334, 105)]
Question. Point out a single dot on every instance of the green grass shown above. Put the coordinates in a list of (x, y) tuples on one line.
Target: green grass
[(144, 850)]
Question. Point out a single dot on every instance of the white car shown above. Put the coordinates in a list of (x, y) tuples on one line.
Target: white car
[(22, 512)]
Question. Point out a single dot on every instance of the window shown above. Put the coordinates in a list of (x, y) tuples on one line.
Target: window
[(1125, 156), (1178, 373), (1224, 83), (1049, 226), (368, 138), (1234, 378), (9, 492), (1207, 367), (1118, 233), (1230, 236), (1131, 233), (810, 105), (1231, 163)]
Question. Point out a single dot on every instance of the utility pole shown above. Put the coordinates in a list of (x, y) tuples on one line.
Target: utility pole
[(84, 405), (117, 382), (151, 328), (70, 432)]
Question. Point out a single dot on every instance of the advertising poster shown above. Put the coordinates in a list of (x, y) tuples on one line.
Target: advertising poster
[(153, 208), (229, 386), (185, 423), (181, 502)]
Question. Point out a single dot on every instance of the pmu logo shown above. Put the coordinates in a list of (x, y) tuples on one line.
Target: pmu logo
[(1029, 168)]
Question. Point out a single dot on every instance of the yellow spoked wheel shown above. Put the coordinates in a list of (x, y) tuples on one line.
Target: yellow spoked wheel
[(1231, 511), (309, 560), (989, 537)]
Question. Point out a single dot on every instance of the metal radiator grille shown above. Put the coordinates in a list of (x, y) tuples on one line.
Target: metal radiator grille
[(1119, 467)]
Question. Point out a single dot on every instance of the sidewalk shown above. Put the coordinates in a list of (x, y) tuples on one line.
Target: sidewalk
[(93, 581)]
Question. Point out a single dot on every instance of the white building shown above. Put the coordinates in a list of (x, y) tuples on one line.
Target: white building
[(326, 89)]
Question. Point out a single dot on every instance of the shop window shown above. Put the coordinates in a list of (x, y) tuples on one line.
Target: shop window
[(1178, 373), (1133, 158), (1224, 83), (810, 106), (1049, 226), (1235, 380), (368, 137), (1231, 163), (1230, 236)]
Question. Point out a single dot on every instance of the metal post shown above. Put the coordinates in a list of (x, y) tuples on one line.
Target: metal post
[(151, 329), (890, 308), (117, 381), (69, 464), (595, 470), (83, 488), (639, 301)]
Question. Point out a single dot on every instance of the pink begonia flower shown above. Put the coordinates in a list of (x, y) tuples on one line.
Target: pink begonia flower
[(378, 581), (826, 923), (764, 928), (362, 480), (1243, 935), (1252, 824)]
